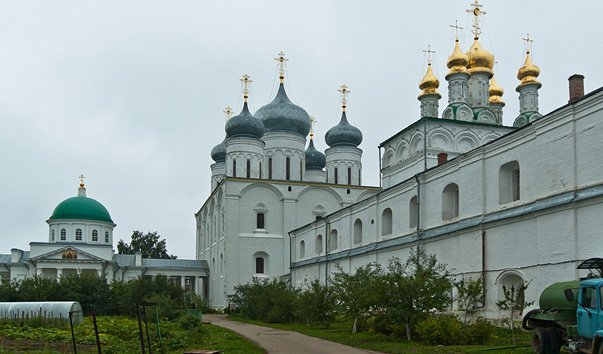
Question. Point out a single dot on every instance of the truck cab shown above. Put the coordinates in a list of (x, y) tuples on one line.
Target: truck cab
[(589, 317)]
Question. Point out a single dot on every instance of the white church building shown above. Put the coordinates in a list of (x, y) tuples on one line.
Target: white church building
[(80, 241), (511, 204)]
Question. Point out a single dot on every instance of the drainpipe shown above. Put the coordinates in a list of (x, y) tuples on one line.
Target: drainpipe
[(327, 236), (419, 205)]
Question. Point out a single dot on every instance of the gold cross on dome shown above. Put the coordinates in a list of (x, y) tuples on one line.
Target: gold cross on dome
[(456, 29), (344, 94), (228, 112), (528, 43), (81, 177), (476, 12), (246, 80), (281, 65), (429, 52), (312, 123)]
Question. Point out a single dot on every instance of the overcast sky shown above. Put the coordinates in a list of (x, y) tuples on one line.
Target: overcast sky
[(131, 93)]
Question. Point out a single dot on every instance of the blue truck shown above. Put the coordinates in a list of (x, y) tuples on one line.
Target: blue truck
[(570, 314)]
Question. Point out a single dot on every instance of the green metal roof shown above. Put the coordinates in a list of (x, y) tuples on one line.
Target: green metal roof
[(82, 208)]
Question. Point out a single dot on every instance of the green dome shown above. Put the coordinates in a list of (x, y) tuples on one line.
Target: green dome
[(81, 208)]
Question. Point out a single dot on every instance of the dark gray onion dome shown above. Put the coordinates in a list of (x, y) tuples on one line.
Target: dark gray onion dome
[(343, 134), (283, 115), (315, 160), (244, 124), (218, 153)]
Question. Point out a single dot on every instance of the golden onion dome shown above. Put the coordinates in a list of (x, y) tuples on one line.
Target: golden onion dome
[(480, 60), (495, 91), (528, 73), (457, 61), (430, 83)]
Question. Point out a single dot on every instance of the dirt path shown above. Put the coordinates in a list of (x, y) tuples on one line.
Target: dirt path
[(281, 341)]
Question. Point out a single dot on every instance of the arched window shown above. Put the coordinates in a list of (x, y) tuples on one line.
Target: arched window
[(288, 168), (318, 212), (302, 249), (318, 244), (260, 169), (221, 263), (270, 168), (508, 182), (357, 231), (333, 240), (386, 222), (51, 235), (413, 212), (234, 168), (78, 234), (260, 262), (450, 202), (63, 234), (510, 281), (106, 236), (349, 175), (336, 176), (260, 221), (213, 269), (94, 235), (248, 168)]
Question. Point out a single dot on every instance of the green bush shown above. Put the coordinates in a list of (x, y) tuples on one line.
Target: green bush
[(442, 330), (449, 330)]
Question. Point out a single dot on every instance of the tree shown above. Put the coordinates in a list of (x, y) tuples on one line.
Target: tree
[(359, 293), (515, 302), (316, 304), (415, 288), (148, 244), (470, 292)]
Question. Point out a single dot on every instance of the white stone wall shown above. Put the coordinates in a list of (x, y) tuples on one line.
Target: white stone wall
[(539, 238)]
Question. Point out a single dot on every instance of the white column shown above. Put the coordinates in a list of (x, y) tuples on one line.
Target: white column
[(59, 273)]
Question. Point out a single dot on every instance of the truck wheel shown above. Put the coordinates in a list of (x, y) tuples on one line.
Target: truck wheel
[(541, 341), (555, 340)]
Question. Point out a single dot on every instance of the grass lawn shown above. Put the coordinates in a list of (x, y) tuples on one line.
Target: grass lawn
[(500, 342), (120, 335)]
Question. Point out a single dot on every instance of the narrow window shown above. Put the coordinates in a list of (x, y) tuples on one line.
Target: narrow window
[(270, 168), (301, 169), (221, 263), (318, 245), (106, 237), (260, 218), (78, 234), (357, 231), (450, 202), (336, 176), (413, 210), (333, 240), (94, 235), (349, 176), (288, 168), (259, 265), (386, 222), (52, 235), (509, 182), (234, 168), (63, 234), (248, 168), (260, 170), (302, 249)]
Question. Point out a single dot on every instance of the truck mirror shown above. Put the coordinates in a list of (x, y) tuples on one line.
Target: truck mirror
[(569, 294)]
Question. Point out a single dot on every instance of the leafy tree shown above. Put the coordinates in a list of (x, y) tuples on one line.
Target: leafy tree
[(415, 288), (317, 304), (515, 302), (38, 288), (359, 293), (9, 290), (470, 292), (90, 290), (148, 244), (268, 301)]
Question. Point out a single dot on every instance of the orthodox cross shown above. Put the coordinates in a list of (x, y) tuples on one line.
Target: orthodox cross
[(429, 52), (246, 80), (312, 123), (456, 29), (344, 93), (281, 65), (528, 43), (228, 112), (81, 177), (476, 13)]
